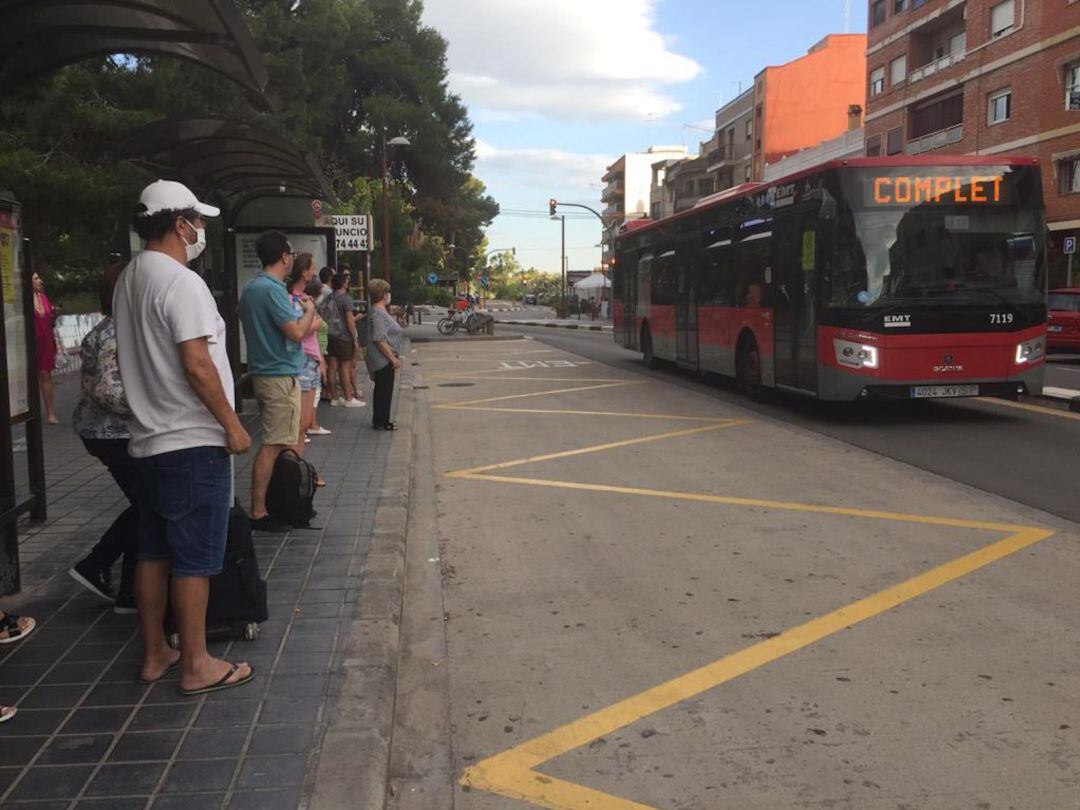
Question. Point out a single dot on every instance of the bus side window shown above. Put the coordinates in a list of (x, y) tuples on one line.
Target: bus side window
[(752, 257), (716, 271)]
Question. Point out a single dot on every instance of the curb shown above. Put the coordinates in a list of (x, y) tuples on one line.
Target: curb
[(585, 328), (1061, 396), (353, 765), (464, 338)]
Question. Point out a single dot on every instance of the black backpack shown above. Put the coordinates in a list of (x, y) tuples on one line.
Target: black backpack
[(291, 490)]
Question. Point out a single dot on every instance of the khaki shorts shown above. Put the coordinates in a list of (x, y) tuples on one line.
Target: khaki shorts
[(279, 400)]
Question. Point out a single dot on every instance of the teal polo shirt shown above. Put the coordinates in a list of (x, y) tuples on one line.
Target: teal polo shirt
[(264, 307)]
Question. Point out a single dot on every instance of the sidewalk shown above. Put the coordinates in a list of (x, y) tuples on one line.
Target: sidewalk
[(86, 735)]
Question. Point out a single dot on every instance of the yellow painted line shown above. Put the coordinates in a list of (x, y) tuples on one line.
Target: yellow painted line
[(474, 472), (450, 405), (513, 773), (531, 379), (480, 473), (1023, 406), (669, 416)]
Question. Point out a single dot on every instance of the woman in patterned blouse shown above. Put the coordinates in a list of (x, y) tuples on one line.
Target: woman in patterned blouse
[(101, 420)]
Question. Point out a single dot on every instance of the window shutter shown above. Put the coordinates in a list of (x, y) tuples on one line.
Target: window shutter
[(1002, 18)]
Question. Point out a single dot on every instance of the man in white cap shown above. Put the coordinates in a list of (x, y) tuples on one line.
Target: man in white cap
[(171, 350)]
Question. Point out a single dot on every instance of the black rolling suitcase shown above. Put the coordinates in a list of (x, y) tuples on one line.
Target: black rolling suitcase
[(237, 603)]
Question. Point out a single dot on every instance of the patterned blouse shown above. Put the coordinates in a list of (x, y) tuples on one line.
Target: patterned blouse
[(102, 412)]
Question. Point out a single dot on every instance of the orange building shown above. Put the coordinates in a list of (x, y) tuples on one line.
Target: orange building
[(808, 101)]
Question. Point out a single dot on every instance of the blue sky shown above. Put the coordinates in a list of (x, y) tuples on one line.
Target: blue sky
[(557, 89)]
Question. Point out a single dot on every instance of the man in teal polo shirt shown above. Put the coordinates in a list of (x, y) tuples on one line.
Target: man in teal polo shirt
[(273, 330)]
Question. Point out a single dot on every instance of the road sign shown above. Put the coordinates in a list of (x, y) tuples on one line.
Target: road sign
[(1070, 245), (433, 278), (484, 281), (352, 232)]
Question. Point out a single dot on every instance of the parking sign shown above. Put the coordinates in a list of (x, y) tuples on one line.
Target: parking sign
[(1070, 245)]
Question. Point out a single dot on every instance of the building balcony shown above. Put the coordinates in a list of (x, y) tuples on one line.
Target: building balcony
[(936, 140), (724, 154), (948, 60)]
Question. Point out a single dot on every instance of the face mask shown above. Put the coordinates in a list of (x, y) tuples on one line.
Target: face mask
[(195, 250)]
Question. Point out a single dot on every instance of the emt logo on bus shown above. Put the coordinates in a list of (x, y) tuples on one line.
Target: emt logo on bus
[(905, 190)]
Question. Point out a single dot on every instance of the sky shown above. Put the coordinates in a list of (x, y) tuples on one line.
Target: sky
[(559, 89)]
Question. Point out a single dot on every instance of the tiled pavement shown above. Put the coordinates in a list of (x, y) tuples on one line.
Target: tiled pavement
[(87, 736)]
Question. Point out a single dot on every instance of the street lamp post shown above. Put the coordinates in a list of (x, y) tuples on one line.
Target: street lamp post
[(399, 141), (562, 296)]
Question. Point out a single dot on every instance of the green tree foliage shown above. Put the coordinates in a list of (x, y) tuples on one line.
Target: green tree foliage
[(346, 72)]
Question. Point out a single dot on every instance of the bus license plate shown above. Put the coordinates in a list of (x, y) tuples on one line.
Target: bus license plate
[(1054, 328), (939, 391)]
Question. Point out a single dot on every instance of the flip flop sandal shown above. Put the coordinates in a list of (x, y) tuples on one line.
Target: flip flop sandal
[(224, 683), (7, 712), (149, 681), (10, 622)]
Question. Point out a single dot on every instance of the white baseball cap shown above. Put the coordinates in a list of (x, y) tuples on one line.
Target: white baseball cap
[(168, 195)]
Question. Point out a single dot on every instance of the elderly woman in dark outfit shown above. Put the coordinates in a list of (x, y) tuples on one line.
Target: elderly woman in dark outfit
[(386, 339)]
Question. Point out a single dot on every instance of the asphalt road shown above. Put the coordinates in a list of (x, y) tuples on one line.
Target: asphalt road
[(654, 597), (1027, 456)]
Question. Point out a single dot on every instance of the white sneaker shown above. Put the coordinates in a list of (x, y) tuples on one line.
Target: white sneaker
[(355, 403), (337, 402), (319, 431), (307, 440)]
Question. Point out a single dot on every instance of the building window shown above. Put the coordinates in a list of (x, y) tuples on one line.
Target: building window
[(898, 6), (1000, 106), (747, 173), (1072, 86), (898, 70), (749, 130), (877, 12), (873, 146), (877, 81), (894, 141), (1002, 18), (1069, 174), (937, 115)]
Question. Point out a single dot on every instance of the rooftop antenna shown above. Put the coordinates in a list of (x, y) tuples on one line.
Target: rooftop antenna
[(847, 16)]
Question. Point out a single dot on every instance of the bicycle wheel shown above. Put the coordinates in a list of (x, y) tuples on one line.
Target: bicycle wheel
[(446, 326)]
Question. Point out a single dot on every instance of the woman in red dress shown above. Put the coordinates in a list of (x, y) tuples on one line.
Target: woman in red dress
[(46, 346)]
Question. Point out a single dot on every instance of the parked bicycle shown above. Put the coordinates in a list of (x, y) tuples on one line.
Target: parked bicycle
[(468, 319)]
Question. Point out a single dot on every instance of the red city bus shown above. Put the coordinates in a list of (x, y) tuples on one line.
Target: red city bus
[(906, 277)]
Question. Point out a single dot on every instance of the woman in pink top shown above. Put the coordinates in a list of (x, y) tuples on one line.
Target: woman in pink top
[(46, 346), (303, 271)]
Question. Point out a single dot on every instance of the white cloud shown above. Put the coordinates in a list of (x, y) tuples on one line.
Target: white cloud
[(581, 60), (542, 168)]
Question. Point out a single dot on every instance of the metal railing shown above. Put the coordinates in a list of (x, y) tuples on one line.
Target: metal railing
[(929, 69), (936, 140)]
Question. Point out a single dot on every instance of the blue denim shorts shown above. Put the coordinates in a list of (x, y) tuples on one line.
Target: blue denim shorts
[(309, 374), (184, 508)]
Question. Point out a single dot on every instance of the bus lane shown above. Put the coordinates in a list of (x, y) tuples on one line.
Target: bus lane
[(654, 600)]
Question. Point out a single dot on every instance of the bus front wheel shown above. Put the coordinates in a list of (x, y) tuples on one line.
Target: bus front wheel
[(748, 369)]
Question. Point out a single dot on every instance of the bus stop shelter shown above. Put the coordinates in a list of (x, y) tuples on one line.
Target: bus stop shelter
[(37, 38)]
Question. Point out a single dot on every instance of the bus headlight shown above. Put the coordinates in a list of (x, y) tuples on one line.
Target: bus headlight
[(856, 355), (1029, 351)]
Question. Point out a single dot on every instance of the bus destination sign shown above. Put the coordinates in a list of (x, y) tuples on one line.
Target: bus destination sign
[(935, 189)]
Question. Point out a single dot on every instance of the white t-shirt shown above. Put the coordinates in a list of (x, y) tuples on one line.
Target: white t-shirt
[(158, 304)]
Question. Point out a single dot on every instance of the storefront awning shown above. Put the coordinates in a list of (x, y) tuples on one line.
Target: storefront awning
[(40, 36)]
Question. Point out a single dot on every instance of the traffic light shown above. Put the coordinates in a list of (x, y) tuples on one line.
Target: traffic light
[(552, 203)]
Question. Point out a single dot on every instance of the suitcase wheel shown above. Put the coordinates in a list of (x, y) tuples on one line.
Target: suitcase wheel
[(173, 640), (251, 631)]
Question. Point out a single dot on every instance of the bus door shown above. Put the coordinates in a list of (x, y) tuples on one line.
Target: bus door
[(686, 305), (794, 298), (626, 290)]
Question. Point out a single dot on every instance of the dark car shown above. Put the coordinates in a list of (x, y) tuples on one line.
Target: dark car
[(530, 298), (1063, 324)]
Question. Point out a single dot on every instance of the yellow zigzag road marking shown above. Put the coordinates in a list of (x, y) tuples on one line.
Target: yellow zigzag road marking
[(514, 773)]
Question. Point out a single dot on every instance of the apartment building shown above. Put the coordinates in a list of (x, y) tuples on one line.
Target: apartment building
[(628, 184), (729, 154), (808, 100), (983, 77)]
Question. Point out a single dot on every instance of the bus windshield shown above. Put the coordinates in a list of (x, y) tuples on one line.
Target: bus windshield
[(951, 235)]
